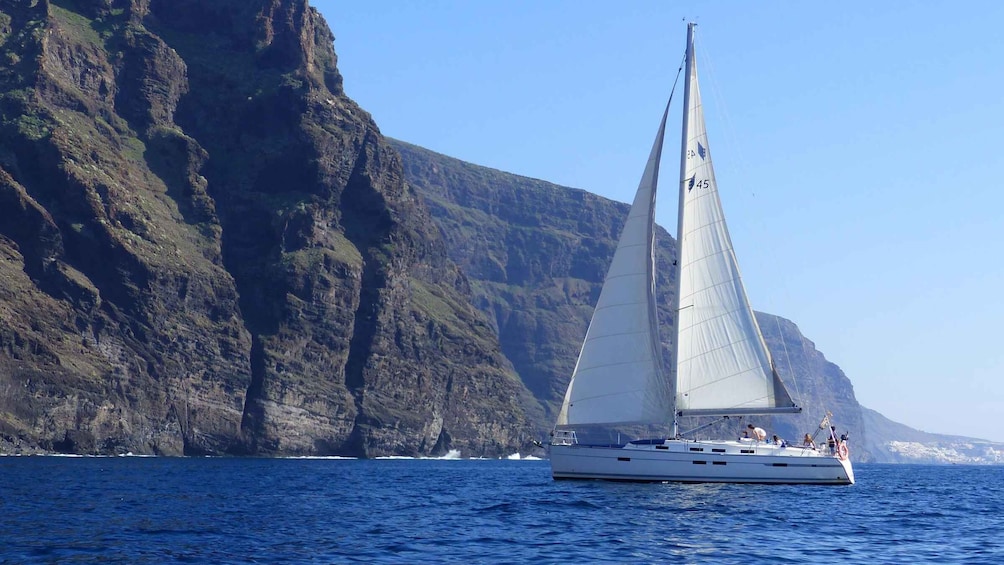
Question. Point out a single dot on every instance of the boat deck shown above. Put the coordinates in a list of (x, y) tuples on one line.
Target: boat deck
[(740, 447)]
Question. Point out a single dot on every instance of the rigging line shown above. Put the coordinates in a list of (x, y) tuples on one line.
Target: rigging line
[(729, 128), (791, 370), (738, 166), (707, 425), (679, 72), (806, 354), (784, 346)]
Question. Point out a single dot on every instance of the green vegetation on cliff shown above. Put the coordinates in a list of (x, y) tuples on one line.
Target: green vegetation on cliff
[(208, 248)]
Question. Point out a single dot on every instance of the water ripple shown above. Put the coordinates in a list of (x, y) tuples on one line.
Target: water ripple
[(410, 511)]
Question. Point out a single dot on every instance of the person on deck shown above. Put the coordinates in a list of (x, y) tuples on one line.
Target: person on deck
[(757, 432), (807, 442)]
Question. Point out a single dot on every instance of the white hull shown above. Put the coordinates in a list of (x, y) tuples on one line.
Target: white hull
[(700, 462)]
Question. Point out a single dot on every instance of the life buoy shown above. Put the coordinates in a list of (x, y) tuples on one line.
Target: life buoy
[(842, 451)]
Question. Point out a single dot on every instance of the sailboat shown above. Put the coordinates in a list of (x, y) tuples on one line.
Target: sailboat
[(721, 366)]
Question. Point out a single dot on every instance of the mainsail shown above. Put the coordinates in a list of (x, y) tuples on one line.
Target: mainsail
[(723, 366)]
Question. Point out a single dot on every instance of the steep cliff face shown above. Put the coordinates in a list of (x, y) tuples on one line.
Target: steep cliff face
[(208, 248), (536, 254), (135, 321)]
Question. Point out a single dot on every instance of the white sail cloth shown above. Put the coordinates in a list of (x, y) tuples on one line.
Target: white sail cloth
[(618, 377), (723, 365)]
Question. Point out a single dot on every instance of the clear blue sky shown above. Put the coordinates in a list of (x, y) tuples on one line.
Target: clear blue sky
[(857, 147)]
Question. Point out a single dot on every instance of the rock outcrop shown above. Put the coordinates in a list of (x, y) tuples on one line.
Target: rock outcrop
[(206, 247)]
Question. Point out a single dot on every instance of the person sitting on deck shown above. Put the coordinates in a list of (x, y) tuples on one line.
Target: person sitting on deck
[(757, 432), (807, 442)]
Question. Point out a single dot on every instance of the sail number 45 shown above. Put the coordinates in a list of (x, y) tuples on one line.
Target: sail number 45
[(693, 183)]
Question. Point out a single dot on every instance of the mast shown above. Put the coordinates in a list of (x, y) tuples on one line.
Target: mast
[(679, 220)]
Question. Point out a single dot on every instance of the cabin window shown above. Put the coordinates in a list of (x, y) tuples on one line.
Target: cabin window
[(700, 462), (697, 449), (623, 458), (780, 464), (745, 451), (662, 447), (718, 462), (718, 450)]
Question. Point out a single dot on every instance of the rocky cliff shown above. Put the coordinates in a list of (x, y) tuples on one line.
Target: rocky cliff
[(206, 247), (536, 254)]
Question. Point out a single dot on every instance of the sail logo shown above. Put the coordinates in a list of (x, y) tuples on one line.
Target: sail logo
[(701, 150), (692, 182)]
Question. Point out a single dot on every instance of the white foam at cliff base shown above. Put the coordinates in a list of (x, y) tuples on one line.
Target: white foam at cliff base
[(517, 457)]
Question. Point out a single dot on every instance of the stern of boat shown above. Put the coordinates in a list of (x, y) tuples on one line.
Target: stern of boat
[(846, 464)]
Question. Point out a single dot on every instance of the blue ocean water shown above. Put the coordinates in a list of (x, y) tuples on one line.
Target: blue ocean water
[(218, 510)]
